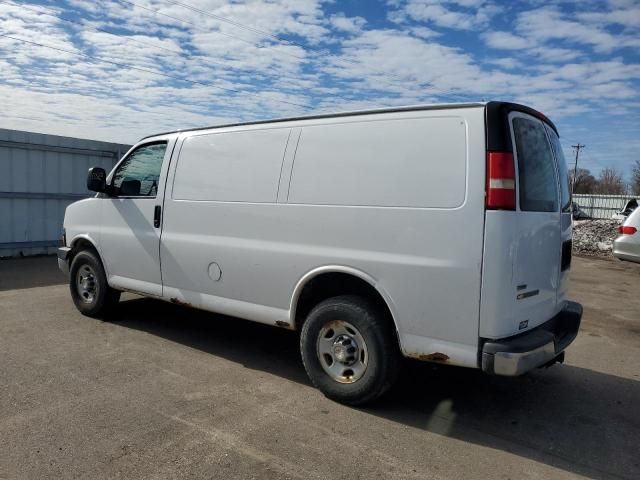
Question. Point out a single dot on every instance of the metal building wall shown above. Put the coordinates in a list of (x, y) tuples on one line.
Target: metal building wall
[(39, 176)]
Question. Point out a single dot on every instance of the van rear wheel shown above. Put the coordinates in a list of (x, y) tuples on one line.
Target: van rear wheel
[(349, 349), (89, 288)]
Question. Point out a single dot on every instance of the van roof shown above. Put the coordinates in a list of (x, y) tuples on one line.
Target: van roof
[(494, 106), (407, 108)]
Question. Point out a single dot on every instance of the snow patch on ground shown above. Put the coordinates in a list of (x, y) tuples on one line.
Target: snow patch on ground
[(594, 237)]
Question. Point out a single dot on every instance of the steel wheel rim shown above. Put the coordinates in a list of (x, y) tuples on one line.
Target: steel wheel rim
[(86, 284), (342, 351)]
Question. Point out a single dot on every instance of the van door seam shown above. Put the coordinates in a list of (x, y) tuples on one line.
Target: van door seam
[(293, 163), (164, 198), (284, 159)]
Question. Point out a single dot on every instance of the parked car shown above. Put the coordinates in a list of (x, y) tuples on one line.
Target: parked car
[(441, 233), (627, 245), (629, 207)]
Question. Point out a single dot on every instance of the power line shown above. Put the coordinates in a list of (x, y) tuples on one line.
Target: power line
[(55, 15), (237, 24), (75, 22), (153, 72), (324, 53), (432, 90), (284, 52), (250, 42), (126, 38)]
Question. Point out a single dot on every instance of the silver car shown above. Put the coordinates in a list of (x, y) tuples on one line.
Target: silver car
[(627, 245)]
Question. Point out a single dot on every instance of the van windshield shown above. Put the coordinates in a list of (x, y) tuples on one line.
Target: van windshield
[(536, 169), (565, 187)]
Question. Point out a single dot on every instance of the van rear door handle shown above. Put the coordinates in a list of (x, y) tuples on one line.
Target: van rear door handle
[(156, 216)]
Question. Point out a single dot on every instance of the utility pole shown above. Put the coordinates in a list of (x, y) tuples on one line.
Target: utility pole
[(575, 166)]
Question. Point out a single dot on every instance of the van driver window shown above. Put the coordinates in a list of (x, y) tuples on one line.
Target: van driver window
[(138, 175)]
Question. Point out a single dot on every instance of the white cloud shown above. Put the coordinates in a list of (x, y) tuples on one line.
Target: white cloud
[(347, 24), (553, 54), (626, 14), (506, 41), (508, 63), (453, 14), (540, 32), (546, 24), (423, 32)]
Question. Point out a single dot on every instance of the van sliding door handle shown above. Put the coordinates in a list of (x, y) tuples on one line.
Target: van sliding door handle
[(156, 216)]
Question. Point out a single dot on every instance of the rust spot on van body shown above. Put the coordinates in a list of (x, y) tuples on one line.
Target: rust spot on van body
[(282, 324), (435, 357), (177, 301)]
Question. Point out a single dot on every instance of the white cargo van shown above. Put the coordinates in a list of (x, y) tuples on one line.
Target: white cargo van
[(439, 232)]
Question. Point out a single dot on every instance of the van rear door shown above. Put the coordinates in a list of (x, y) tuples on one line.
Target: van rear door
[(538, 239), (523, 277)]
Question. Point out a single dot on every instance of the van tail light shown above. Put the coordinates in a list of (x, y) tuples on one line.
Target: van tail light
[(501, 181), (627, 230)]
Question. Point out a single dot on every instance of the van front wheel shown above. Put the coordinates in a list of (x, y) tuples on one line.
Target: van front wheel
[(349, 349), (89, 288)]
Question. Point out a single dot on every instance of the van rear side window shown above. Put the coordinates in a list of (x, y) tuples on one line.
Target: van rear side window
[(536, 169)]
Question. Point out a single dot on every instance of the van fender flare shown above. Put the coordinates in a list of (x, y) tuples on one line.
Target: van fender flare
[(94, 244), (311, 274)]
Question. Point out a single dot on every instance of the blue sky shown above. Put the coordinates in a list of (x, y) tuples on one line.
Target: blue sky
[(123, 69)]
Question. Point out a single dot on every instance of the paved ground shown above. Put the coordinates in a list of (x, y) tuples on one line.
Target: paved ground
[(167, 392)]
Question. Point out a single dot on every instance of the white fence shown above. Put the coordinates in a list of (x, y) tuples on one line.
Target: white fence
[(39, 176), (601, 206)]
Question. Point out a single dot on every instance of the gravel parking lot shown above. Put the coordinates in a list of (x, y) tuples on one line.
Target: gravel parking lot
[(167, 392)]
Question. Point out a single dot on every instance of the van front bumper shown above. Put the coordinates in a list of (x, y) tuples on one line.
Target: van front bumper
[(63, 259), (518, 354)]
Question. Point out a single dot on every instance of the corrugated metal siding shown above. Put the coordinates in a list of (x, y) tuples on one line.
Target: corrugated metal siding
[(39, 176), (601, 206)]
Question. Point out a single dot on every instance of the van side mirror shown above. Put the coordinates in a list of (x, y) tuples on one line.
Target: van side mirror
[(97, 180)]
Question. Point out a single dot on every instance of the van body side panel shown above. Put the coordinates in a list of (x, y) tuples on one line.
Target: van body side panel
[(206, 223), (496, 312), (87, 217), (231, 166), (382, 163), (246, 259)]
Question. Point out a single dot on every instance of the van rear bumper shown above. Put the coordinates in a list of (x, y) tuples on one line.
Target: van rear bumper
[(518, 354)]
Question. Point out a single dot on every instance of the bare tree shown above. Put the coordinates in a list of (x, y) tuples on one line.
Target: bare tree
[(635, 178), (585, 182), (611, 182)]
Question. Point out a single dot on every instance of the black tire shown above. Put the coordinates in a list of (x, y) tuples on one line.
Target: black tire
[(104, 298), (374, 327)]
